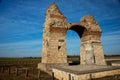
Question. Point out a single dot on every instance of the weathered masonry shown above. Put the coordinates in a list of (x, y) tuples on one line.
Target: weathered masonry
[(54, 38)]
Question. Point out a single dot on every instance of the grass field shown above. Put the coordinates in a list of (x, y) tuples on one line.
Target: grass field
[(23, 73), (21, 69), (21, 59), (26, 69)]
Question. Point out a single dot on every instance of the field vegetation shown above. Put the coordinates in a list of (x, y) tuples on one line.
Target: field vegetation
[(26, 68)]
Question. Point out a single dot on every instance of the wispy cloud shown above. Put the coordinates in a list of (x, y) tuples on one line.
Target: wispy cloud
[(111, 41), (20, 49), (21, 23)]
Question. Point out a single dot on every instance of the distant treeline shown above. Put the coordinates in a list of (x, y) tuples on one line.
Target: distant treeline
[(68, 56), (116, 55), (22, 57)]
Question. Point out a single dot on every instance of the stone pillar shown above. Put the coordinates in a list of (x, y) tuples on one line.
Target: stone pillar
[(98, 53), (82, 54), (89, 55), (54, 43), (92, 53)]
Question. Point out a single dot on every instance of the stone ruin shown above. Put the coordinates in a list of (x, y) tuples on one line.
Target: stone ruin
[(54, 58), (54, 39)]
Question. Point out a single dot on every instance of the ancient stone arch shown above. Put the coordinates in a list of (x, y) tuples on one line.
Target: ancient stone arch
[(54, 38)]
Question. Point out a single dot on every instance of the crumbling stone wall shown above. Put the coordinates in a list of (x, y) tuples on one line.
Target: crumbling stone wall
[(54, 38), (54, 42)]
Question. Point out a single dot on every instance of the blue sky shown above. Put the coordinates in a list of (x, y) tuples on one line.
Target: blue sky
[(21, 25)]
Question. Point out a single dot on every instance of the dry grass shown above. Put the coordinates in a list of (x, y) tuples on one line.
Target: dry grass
[(31, 66), (32, 74)]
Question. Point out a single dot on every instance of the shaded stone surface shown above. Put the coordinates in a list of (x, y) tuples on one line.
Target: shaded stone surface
[(85, 69)]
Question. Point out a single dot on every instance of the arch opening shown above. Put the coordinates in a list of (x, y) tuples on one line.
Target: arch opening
[(73, 44), (78, 29)]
